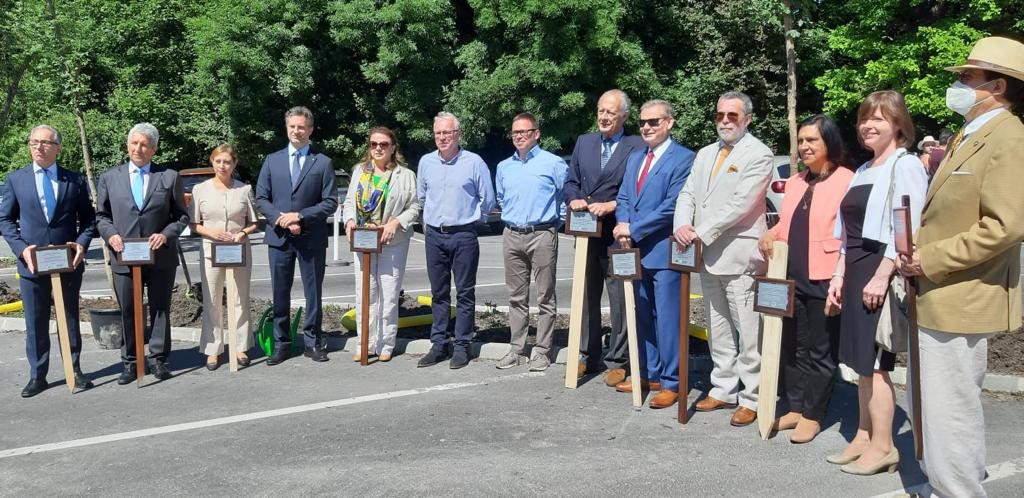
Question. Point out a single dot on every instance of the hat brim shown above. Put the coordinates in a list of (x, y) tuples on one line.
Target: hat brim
[(995, 69)]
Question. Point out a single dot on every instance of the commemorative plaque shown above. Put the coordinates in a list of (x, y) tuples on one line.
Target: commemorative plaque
[(582, 224), (136, 252), (774, 297), (366, 239), (53, 259), (685, 260), (227, 254), (624, 264)]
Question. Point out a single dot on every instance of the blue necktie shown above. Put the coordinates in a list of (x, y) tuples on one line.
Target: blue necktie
[(295, 169), (138, 188), (606, 152), (49, 197)]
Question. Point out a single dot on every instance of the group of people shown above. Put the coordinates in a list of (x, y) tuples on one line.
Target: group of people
[(648, 191)]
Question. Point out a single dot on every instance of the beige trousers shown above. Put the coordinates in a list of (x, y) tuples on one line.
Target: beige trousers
[(215, 284)]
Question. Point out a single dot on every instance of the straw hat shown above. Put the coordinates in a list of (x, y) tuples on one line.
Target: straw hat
[(927, 140), (996, 54)]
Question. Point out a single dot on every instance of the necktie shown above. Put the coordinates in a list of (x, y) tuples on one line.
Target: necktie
[(722, 154), (954, 144), (296, 167), (139, 188), (606, 152), (643, 172), (48, 195)]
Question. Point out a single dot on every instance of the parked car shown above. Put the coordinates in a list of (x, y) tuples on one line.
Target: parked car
[(773, 199), (189, 179)]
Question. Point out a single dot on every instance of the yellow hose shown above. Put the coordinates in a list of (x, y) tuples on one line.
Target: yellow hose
[(348, 320), (11, 307)]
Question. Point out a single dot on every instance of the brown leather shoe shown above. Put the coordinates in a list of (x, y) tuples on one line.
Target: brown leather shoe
[(613, 376), (581, 370), (743, 416), (626, 386), (664, 399), (710, 404)]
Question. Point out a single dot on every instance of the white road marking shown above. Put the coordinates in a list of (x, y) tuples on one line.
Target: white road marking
[(234, 419), (997, 471)]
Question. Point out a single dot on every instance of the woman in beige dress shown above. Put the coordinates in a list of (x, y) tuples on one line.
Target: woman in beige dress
[(222, 211)]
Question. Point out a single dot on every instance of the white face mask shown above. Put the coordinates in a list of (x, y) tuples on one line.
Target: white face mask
[(960, 98)]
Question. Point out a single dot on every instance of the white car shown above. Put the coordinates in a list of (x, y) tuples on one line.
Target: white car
[(773, 199)]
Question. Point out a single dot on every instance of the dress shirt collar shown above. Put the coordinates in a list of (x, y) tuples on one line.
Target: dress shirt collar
[(614, 139), (451, 161), (51, 171), (980, 121), (529, 155), (660, 149), (132, 168), (304, 151)]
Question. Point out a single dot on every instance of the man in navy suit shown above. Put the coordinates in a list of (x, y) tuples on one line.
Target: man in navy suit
[(44, 205), (646, 203), (595, 173), (296, 192)]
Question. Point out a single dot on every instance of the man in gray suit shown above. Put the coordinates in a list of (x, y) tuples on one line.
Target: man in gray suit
[(140, 199), (722, 207)]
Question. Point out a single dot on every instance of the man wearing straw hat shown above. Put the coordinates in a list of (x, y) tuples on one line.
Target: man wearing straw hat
[(968, 255)]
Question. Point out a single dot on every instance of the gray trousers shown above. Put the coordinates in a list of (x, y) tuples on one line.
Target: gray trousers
[(590, 341), (952, 370), (734, 333), (529, 254)]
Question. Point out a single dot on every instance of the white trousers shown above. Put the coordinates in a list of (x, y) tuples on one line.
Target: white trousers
[(211, 341), (952, 371), (386, 272), (734, 333)]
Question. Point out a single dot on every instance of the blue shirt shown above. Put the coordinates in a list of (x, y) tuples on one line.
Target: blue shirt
[(614, 140), (303, 152), (455, 192), (530, 190), (51, 174)]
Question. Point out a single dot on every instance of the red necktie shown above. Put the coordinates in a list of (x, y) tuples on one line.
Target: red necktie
[(643, 172)]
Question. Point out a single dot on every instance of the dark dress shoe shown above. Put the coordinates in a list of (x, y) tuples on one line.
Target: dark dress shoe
[(128, 375), (459, 360), (81, 381), (281, 353), (243, 361), (212, 366), (318, 355), (432, 358), (34, 387), (160, 370)]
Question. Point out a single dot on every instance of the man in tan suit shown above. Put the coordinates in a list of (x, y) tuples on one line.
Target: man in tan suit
[(722, 207), (968, 253)]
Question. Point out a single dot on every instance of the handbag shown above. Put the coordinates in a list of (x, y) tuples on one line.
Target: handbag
[(893, 330)]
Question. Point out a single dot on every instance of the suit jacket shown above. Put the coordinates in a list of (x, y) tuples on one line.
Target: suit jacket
[(970, 235), (649, 211), (402, 202), (162, 212), (315, 197), (823, 246), (728, 211), (23, 223), (588, 181)]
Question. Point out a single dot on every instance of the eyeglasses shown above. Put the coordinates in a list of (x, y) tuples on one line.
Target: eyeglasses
[(42, 143), (727, 116), (653, 122), (380, 145), (523, 133), (445, 133)]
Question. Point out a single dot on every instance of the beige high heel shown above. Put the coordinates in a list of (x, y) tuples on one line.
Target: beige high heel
[(841, 459), (888, 464)]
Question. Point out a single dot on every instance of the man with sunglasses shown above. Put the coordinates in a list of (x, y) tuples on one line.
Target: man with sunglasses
[(529, 190), (722, 208), (595, 174), (644, 206), (967, 258), (454, 188)]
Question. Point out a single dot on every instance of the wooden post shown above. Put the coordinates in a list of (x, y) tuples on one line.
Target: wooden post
[(771, 345), (634, 352), (914, 351), (364, 337), (62, 330), (684, 347), (140, 355), (232, 291), (576, 311)]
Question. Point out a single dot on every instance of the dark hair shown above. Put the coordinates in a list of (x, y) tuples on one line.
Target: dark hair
[(1014, 90), (893, 109), (944, 135), (527, 116), (831, 135)]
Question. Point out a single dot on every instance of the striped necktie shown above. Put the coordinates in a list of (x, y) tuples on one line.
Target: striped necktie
[(606, 152)]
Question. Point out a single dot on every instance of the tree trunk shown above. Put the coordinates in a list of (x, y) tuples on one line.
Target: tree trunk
[(787, 26), (12, 91)]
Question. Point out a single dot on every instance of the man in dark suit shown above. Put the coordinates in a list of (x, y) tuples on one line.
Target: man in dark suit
[(139, 199), (296, 192), (646, 202), (595, 173), (44, 205)]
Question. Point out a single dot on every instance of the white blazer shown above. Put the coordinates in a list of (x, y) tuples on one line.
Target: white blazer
[(402, 202), (728, 211)]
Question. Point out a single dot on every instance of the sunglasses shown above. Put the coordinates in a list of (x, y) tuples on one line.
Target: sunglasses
[(653, 122), (380, 145), (727, 116)]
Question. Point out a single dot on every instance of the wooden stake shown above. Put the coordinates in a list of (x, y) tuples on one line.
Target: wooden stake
[(62, 331), (230, 331), (364, 337), (576, 311), (634, 352), (914, 354), (771, 346), (684, 348), (140, 355)]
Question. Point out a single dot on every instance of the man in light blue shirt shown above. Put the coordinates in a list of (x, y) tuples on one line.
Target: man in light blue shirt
[(454, 188), (529, 187)]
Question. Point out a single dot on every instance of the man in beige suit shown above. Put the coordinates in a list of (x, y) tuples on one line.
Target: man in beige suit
[(722, 207), (968, 255)]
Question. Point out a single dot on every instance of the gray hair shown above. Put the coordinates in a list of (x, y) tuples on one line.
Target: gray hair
[(624, 102), (748, 105), (147, 130), (300, 111), (56, 134), (656, 102), (441, 116)]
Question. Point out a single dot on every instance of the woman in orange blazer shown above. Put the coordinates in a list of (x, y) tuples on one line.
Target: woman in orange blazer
[(810, 338)]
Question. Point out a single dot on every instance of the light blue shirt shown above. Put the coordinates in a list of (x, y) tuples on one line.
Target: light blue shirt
[(134, 170), (530, 190), (303, 152), (455, 192), (51, 174)]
